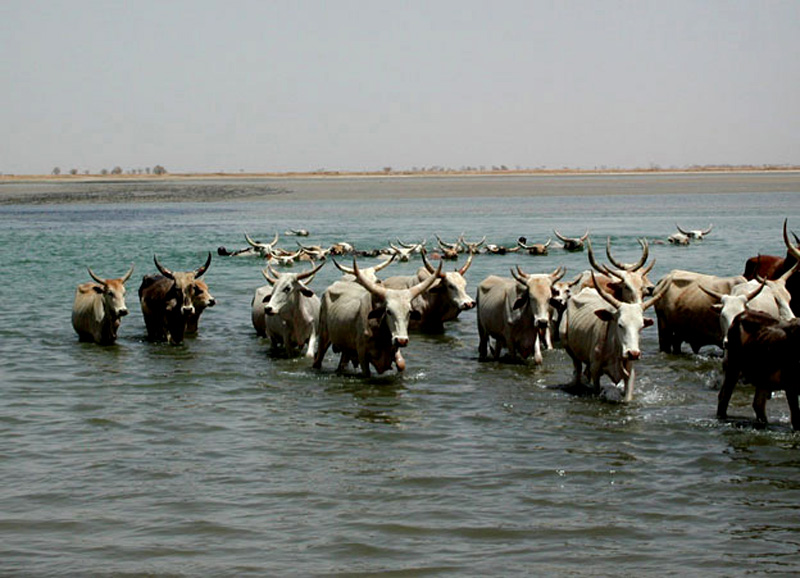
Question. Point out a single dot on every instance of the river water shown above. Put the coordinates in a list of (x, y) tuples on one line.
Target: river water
[(215, 458)]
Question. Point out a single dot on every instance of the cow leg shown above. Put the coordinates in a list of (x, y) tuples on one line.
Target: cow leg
[(725, 392), (319, 354), (760, 404), (537, 350), (794, 408), (576, 367), (664, 337), (483, 343)]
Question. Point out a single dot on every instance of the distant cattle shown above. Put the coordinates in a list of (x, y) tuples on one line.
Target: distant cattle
[(99, 308), (697, 234), (765, 351), (167, 301), (627, 282), (572, 243)]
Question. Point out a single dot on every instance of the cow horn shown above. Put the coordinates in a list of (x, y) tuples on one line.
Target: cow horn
[(707, 231), (789, 273), (430, 268), (273, 272), (585, 236), (610, 299), (656, 296), (373, 288), (384, 263), (634, 267), (404, 245), (475, 245), (519, 275), (274, 241), (163, 270), (444, 245), (463, 269), (593, 262), (547, 244), (522, 244), (753, 294), (556, 275), (649, 268), (794, 251), (681, 230), (126, 276), (342, 268), (561, 237), (204, 268), (95, 277), (269, 279), (423, 286), (710, 292), (311, 272), (250, 241)]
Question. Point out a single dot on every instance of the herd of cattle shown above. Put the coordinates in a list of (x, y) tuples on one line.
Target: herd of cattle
[(596, 316)]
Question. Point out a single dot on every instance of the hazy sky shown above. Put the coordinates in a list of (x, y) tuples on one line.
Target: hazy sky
[(299, 85)]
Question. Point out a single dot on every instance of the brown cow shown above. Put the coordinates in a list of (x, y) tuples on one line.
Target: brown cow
[(764, 350), (99, 308), (773, 267), (167, 301)]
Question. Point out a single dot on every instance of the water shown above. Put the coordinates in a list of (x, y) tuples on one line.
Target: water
[(214, 458)]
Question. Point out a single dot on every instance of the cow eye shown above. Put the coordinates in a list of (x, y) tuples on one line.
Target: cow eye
[(286, 289)]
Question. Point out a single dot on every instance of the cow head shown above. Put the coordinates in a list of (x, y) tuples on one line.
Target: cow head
[(394, 305), (112, 292), (287, 289), (535, 292), (731, 305), (452, 284), (184, 287), (572, 243), (628, 282)]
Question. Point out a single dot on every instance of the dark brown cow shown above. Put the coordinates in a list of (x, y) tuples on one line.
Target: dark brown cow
[(773, 267), (167, 301), (764, 350)]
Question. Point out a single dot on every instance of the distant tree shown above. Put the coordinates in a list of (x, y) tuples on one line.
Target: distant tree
[(56, 171), (387, 169), (104, 172), (116, 170), (73, 172), (148, 169), (159, 170)]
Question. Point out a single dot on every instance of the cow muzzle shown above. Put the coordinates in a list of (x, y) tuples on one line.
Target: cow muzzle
[(269, 311), (187, 310), (632, 355), (400, 341), (122, 313), (467, 305)]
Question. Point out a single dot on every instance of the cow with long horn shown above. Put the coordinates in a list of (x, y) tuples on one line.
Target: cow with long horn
[(774, 267), (627, 282), (99, 307), (367, 322), (602, 332), (288, 313), (572, 243), (534, 248), (262, 249), (696, 234), (515, 313), (166, 301), (444, 301)]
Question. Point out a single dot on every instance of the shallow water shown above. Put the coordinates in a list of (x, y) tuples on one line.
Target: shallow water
[(215, 458)]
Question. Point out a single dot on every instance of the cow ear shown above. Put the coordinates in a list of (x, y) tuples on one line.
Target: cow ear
[(377, 313), (717, 307), (415, 315), (521, 301), (306, 292), (98, 289), (171, 304), (604, 314), (648, 321)]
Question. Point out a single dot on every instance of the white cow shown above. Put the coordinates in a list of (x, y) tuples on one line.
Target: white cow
[(443, 301), (516, 313), (602, 332), (99, 307), (290, 310), (366, 322)]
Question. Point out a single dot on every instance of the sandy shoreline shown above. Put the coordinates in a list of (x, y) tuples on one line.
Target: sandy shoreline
[(215, 187)]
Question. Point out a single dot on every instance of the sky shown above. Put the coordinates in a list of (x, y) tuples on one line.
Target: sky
[(263, 86)]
